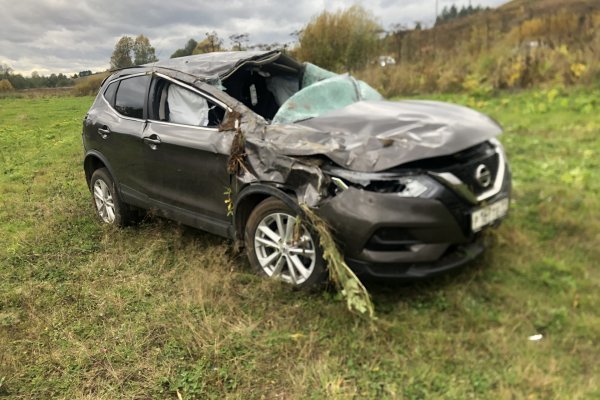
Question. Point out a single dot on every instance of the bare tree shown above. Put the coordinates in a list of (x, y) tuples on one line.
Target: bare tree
[(5, 71), (239, 41)]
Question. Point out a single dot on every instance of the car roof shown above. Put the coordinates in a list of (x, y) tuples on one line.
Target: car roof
[(213, 65)]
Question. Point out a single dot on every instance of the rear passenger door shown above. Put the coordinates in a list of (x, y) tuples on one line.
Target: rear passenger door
[(185, 155), (116, 129)]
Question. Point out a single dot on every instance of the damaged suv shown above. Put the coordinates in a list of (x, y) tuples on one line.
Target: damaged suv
[(234, 143)]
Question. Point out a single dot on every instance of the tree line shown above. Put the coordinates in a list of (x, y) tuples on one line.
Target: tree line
[(453, 12), (10, 81)]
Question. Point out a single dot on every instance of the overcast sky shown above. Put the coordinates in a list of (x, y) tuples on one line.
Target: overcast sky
[(70, 36)]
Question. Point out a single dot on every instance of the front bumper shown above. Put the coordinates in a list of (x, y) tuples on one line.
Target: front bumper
[(384, 235), (453, 259)]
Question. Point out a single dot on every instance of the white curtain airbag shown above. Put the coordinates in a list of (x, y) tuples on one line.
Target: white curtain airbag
[(186, 107)]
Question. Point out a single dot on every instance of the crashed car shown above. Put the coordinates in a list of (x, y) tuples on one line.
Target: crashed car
[(234, 143)]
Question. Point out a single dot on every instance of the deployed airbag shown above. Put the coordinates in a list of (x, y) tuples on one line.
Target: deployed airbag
[(186, 107), (282, 87)]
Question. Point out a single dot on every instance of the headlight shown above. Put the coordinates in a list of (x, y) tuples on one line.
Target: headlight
[(413, 187), (384, 182)]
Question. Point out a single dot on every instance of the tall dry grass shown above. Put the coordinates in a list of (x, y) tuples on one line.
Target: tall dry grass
[(487, 53), (89, 85)]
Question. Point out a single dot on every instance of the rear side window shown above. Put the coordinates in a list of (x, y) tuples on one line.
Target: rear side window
[(109, 93), (131, 96)]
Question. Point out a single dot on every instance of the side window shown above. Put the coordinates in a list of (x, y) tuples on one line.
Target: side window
[(109, 93), (182, 106), (131, 95)]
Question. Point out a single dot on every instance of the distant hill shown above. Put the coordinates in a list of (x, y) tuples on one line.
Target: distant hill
[(542, 7), (519, 44)]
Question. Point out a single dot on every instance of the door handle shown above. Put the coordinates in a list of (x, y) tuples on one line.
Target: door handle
[(153, 141), (104, 131)]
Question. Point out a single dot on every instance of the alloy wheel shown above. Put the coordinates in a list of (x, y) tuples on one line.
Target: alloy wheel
[(282, 251), (104, 201)]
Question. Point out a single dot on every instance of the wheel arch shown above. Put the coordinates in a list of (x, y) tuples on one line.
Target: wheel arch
[(94, 160), (250, 196)]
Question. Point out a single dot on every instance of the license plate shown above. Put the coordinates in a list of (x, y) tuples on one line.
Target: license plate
[(488, 214)]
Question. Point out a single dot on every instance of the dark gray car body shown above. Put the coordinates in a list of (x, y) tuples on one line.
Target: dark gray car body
[(182, 172)]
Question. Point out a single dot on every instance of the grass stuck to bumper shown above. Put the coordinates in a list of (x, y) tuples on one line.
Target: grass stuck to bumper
[(161, 311)]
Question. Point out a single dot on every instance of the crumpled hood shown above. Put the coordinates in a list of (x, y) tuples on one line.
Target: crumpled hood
[(372, 136)]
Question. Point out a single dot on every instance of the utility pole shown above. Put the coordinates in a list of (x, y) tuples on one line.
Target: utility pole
[(434, 31)]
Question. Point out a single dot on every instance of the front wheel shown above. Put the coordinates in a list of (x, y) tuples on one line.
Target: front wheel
[(278, 249)]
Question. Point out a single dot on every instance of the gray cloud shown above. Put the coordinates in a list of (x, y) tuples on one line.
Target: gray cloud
[(62, 36)]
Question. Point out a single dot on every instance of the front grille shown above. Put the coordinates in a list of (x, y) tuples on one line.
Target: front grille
[(464, 165), (467, 172)]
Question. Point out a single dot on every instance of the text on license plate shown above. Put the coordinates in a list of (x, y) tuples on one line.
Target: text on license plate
[(488, 214)]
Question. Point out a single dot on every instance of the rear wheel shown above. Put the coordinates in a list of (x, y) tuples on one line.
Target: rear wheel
[(277, 249), (109, 207)]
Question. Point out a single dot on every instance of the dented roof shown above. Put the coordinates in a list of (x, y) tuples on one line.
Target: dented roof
[(214, 65)]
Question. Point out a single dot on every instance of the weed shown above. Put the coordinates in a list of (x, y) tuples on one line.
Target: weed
[(357, 297)]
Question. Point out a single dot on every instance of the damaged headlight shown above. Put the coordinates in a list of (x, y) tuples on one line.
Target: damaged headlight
[(402, 185), (414, 186)]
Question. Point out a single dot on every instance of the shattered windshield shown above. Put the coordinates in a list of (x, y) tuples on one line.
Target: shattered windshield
[(323, 91), (283, 91)]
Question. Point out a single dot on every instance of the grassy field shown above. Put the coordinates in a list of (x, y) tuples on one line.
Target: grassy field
[(161, 311)]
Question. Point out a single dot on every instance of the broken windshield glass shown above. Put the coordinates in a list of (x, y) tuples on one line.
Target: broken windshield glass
[(320, 97)]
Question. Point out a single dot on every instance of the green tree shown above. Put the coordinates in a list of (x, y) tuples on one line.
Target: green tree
[(185, 51), (20, 82), (453, 11), (52, 80), (121, 56), (341, 41), (63, 80), (143, 52), (37, 80), (129, 52)]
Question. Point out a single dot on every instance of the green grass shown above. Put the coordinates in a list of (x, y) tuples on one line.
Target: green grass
[(151, 311)]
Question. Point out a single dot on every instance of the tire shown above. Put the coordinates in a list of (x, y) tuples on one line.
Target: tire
[(299, 263), (107, 203)]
